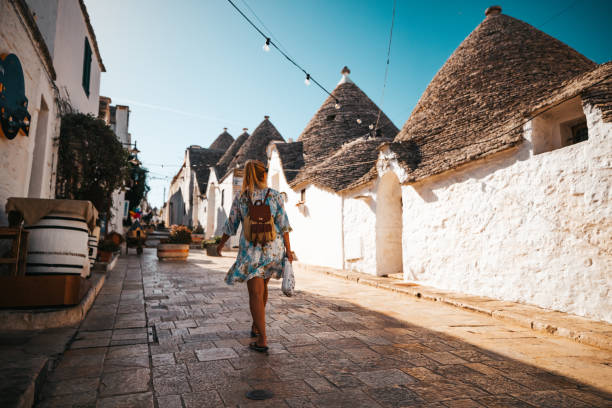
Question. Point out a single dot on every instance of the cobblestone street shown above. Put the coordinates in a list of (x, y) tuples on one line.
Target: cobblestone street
[(174, 335)]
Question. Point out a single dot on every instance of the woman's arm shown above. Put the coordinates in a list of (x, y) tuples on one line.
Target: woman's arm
[(288, 247), (224, 239)]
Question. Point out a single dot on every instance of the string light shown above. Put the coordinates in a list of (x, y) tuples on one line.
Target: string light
[(307, 80), (359, 121), (269, 43), (266, 46)]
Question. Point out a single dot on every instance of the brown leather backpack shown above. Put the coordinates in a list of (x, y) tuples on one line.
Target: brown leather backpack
[(258, 223)]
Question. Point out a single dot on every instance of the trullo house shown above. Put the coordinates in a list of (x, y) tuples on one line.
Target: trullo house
[(334, 225), (186, 195), (499, 183), (226, 178)]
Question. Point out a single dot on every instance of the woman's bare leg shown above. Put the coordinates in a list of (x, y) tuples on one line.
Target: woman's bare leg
[(265, 301), (257, 288), (265, 295)]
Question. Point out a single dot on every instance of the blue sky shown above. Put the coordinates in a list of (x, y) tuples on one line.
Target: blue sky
[(189, 68)]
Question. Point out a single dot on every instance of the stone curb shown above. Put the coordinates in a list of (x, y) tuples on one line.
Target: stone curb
[(52, 317), (579, 329)]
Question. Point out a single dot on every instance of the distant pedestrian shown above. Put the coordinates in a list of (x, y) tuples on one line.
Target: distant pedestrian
[(264, 243)]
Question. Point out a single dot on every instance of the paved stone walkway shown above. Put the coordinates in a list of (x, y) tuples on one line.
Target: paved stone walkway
[(174, 335)]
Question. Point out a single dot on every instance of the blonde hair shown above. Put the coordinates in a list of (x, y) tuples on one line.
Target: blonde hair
[(255, 176)]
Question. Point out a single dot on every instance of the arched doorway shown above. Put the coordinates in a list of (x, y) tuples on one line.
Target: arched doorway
[(389, 225)]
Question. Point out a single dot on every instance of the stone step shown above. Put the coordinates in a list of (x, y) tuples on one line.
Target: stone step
[(577, 328)]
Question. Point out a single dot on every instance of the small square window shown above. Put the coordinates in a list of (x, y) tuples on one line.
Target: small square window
[(330, 117)]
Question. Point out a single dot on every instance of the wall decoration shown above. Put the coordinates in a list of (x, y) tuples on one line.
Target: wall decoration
[(14, 116)]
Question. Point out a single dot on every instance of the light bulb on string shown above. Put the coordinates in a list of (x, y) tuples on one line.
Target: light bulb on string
[(371, 126), (359, 121), (337, 105), (307, 80), (266, 46)]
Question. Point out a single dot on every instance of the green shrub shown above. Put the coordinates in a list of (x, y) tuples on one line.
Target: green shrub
[(211, 241)]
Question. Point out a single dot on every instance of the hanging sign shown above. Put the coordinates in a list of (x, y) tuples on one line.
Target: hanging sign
[(14, 116)]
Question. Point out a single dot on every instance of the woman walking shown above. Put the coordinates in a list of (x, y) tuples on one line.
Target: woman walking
[(263, 249)]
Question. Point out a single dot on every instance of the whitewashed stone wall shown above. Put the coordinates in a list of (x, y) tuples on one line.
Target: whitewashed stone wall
[(64, 29), (360, 230), (533, 229), (317, 225), (16, 156)]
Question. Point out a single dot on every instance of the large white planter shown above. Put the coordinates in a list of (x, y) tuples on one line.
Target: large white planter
[(58, 245), (173, 252)]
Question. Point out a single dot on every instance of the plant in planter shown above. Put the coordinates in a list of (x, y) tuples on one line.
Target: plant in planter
[(106, 249), (211, 245), (197, 236), (176, 248)]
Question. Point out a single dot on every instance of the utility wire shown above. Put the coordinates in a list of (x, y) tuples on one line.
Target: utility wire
[(559, 13), (382, 97), (266, 27), (272, 43)]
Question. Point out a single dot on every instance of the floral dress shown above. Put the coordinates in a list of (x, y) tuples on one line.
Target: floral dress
[(255, 260)]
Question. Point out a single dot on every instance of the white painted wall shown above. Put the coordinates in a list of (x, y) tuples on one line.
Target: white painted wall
[(317, 225), (45, 14), (116, 222), (16, 156), (360, 230), (521, 227), (64, 29), (122, 125), (211, 204)]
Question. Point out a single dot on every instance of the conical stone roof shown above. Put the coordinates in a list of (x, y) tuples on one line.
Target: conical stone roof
[(254, 148), (223, 141), (330, 128), (230, 153), (338, 145), (476, 104), (201, 160)]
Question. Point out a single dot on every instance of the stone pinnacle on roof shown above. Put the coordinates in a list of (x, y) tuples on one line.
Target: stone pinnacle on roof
[(223, 141), (493, 11), (345, 75), (330, 128)]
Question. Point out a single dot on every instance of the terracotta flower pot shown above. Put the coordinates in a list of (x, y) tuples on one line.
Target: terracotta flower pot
[(173, 252)]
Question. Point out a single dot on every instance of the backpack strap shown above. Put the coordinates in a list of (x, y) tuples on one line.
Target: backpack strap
[(266, 197)]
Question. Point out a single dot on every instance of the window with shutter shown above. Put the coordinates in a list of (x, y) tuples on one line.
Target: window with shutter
[(86, 67)]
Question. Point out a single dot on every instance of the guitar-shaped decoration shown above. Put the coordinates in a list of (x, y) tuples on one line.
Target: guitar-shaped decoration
[(14, 116)]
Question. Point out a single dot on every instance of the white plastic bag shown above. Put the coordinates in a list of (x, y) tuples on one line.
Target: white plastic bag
[(288, 284)]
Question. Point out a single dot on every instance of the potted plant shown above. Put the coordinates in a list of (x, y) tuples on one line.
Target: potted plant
[(106, 248), (197, 236), (176, 248), (211, 245)]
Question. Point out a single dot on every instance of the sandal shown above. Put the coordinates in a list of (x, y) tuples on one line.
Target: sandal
[(261, 349), (253, 332)]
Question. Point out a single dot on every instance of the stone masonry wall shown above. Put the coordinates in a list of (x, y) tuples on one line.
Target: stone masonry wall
[(16, 155), (534, 229)]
